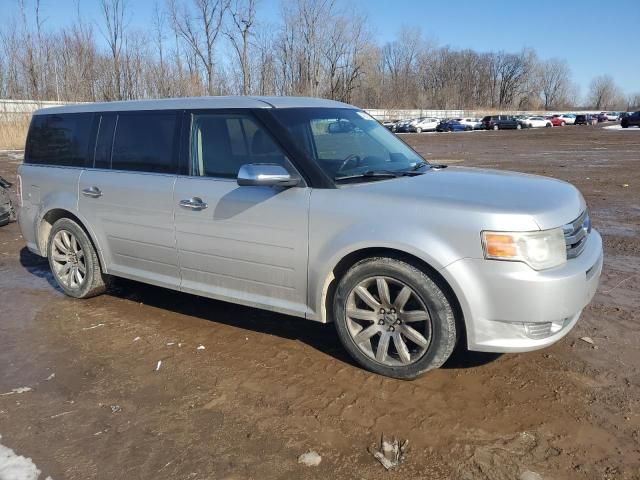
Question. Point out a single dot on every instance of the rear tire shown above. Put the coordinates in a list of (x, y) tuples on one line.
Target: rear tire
[(74, 261), (562, 124), (393, 318)]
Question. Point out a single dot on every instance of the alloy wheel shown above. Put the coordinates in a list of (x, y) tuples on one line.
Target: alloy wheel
[(68, 259), (388, 321)]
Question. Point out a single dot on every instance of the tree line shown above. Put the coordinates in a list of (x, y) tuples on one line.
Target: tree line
[(320, 48)]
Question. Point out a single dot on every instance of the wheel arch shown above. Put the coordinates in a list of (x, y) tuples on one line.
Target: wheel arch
[(351, 258), (48, 219)]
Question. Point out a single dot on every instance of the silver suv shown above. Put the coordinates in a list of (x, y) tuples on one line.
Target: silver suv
[(310, 208)]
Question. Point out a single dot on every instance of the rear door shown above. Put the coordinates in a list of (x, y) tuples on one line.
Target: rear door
[(245, 244), (128, 196)]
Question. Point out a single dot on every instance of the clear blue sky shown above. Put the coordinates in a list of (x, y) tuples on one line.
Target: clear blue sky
[(594, 36)]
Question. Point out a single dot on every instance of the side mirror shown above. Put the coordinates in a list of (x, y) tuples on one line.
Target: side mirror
[(265, 175)]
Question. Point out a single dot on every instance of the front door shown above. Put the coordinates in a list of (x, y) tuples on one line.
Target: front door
[(244, 244)]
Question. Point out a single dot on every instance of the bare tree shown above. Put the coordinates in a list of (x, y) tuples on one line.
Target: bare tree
[(243, 17), (317, 47), (113, 12), (554, 76), (603, 92), (633, 102), (200, 31)]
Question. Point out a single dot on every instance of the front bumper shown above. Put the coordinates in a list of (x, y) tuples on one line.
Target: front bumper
[(509, 307)]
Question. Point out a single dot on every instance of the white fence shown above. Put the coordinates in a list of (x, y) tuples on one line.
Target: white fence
[(400, 114), (11, 109), (14, 109)]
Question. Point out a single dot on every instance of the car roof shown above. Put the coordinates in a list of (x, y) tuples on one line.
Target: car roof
[(219, 102)]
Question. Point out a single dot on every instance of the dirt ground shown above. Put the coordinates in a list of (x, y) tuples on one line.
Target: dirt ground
[(267, 388)]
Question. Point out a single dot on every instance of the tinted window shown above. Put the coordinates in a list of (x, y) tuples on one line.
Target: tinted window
[(145, 142), (59, 139), (222, 143)]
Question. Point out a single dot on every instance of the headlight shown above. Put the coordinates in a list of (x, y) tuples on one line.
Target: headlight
[(539, 250)]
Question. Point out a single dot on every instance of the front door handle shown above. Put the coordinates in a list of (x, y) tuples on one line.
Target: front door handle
[(194, 203), (93, 192)]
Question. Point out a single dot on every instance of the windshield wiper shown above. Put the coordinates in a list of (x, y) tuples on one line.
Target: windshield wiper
[(371, 174)]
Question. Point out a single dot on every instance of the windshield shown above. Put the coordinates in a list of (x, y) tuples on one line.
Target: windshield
[(348, 143)]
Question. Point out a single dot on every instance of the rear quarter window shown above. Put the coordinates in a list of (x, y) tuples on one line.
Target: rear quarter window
[(61, 140)]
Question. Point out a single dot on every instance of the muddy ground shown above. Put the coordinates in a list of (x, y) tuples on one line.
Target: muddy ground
[(267, 387)]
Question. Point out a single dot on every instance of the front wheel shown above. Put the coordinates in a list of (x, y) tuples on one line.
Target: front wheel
[(495, 127), (393, 318), (418, 130), (74, 261), (518, 127)]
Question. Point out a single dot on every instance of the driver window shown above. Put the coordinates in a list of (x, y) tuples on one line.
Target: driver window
[(222, 143)]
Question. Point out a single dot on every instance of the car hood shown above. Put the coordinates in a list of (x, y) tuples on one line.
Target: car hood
[(549, 202)]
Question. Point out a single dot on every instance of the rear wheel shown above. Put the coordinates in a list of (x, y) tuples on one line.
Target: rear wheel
[(562, 124), (74, 261), (393, 318)]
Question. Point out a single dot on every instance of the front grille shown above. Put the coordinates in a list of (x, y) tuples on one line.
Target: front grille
[(576, 233)]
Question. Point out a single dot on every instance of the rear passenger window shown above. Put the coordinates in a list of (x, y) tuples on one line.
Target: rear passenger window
[(222, 143), (145, 142), (59, 140)]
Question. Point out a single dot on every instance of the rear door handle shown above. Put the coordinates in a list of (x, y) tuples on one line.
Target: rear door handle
[(194, 203), (93, 192)]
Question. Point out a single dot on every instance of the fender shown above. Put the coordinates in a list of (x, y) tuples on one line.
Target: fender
[(68, 202), (431, 249)]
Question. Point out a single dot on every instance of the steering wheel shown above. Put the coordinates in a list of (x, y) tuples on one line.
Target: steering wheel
[(351, 158)]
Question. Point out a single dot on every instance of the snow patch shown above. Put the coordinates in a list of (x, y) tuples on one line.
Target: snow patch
[(14, 391), (17, 467), (619, 127)]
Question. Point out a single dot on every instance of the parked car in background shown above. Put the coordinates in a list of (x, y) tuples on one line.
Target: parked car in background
[(631, 120), (558, 121), (7, 212), (602, 117), (501, 122), (390, 124), (536, 121), (425, 124), (586, 119), (474, 123), (612, 116), (453, 126), (278, 205), (404, 126), (568, 118)]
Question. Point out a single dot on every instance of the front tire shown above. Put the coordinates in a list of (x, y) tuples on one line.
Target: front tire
[(495, 127), (74, 261), (393, 318), (418, 130)]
